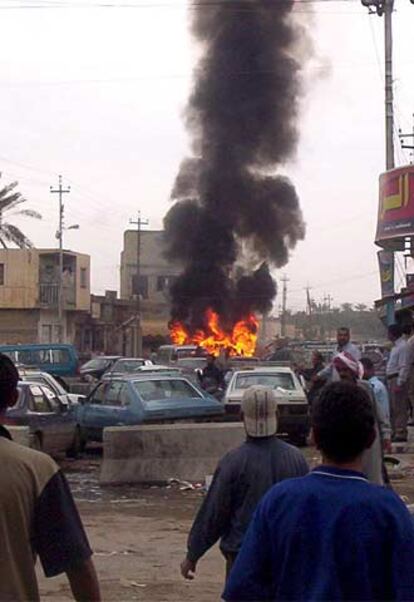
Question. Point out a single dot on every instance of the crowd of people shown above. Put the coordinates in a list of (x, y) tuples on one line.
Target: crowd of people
[(337, 532)]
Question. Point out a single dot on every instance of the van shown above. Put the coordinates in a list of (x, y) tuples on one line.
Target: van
[(58, 359)]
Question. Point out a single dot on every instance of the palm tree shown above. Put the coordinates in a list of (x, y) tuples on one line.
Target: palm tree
[(9, 233)]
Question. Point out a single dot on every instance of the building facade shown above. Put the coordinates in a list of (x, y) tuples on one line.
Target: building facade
[(29, 295), (156, 274)]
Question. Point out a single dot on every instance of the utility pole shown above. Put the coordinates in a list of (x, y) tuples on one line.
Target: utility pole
[(138, 330), (60, 191), (385, 8), (285, 280)]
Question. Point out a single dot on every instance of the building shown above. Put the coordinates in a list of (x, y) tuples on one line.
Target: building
[(29, 294), (156, 275)]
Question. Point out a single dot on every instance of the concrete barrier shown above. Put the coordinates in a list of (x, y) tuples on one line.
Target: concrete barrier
[(156, 453), (20, 434)]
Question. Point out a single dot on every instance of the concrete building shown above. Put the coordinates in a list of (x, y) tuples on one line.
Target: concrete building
[(156, 276), (29, 293)]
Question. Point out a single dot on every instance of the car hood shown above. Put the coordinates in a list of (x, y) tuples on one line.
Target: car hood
[(282, 395)]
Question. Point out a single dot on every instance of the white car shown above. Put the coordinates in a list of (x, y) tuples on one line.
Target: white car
[(293, 407)]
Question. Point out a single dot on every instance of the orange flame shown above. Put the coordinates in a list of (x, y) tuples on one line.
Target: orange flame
[(214, 339)]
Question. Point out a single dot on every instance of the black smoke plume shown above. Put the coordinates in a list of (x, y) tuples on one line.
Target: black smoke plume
[(230, 209)]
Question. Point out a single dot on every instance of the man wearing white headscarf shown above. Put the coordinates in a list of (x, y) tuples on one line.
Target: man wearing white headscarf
[(350, 369)]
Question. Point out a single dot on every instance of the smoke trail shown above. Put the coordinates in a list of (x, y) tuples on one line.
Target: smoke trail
[(243, 115)]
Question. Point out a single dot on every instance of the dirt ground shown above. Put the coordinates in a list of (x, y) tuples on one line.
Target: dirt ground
[(139, 537)]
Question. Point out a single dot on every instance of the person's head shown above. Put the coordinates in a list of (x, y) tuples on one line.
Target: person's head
[(343, 422), (343, 336), (347, 367), (9, 378), (210, 359), (369, 368), (259, 411), (317, 358), (394, 332)]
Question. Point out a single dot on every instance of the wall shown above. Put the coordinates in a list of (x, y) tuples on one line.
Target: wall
[(83, 294), (21, 273), (18, 326)]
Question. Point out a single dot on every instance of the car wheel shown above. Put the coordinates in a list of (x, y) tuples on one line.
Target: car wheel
[(36, 442), (78, 444)]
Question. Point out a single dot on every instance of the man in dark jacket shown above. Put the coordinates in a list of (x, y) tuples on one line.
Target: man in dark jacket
[(242, 477)]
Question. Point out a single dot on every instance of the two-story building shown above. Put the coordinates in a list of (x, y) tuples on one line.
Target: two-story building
[(156, 274), (29, 295)]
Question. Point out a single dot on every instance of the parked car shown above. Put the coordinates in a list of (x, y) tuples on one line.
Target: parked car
[(168, 354), (52, 423), (293, 407), (55, 358), (47, 379), (191, 367), (96, 367), (125, 366), (143, 399)]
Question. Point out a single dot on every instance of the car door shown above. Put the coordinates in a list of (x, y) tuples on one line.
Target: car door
[(63, 420), (103, 408), (42, 419)]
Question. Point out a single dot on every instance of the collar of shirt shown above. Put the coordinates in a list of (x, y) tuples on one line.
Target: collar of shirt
[(5, 433), (338, 473)]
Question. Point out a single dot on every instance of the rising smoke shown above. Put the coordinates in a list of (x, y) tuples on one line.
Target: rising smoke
[(229, 205)]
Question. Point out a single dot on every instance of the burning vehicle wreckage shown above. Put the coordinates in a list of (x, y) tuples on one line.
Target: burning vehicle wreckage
[(234, 217)]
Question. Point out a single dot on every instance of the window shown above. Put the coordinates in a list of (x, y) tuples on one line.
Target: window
[(51, 397), (284, 381), (162, 283), (60, 356), (1, 274), (158, 390), (98, 395), (84, 278), (112, 394), (140, 287), (124, 396), (38, 402)]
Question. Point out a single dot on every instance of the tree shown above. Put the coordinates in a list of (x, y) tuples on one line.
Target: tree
[(361, 307), (9, 201)]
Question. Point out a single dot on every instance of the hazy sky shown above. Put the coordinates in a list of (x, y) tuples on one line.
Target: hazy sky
[(97, 94)]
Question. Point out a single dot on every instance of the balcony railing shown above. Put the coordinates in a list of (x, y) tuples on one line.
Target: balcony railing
[(48, 295)]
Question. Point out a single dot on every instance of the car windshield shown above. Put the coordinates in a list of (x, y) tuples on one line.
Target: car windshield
[(159, 390), (280, 379), (96, 364), (126, 366), (191, 363)]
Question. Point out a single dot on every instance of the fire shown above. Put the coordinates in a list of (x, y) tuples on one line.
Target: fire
[(241, 340)]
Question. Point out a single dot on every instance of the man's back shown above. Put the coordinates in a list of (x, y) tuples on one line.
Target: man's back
[(328, 536), (31, 489), (243, 476)]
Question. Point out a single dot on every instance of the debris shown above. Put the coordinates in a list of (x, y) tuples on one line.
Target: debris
[(128, 583), (183, 485)]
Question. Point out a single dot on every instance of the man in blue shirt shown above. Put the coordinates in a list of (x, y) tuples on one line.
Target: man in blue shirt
[(330, 535), (382, 402)]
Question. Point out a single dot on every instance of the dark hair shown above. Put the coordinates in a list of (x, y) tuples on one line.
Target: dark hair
[(395, 331), (367, 363), (9, 377), (344, 329), (343, 421), (319, 355)]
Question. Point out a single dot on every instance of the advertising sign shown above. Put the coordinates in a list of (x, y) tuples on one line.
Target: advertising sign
[(396, 208), (386, 269)]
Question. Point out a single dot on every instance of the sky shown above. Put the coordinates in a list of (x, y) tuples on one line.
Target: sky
[(98, 94)]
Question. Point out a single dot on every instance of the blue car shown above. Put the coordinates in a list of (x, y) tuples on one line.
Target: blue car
[(144, 399)]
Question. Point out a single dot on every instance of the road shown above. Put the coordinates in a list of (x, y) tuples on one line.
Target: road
[(139, 536)]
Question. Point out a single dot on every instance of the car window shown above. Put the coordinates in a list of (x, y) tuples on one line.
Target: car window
[(52, 399), (33, 357), (98, 394), (60, 356), (112, 393), (282, 380), (124, 396), (127, 366), (38, 401), (97, 364), (158, 390)]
